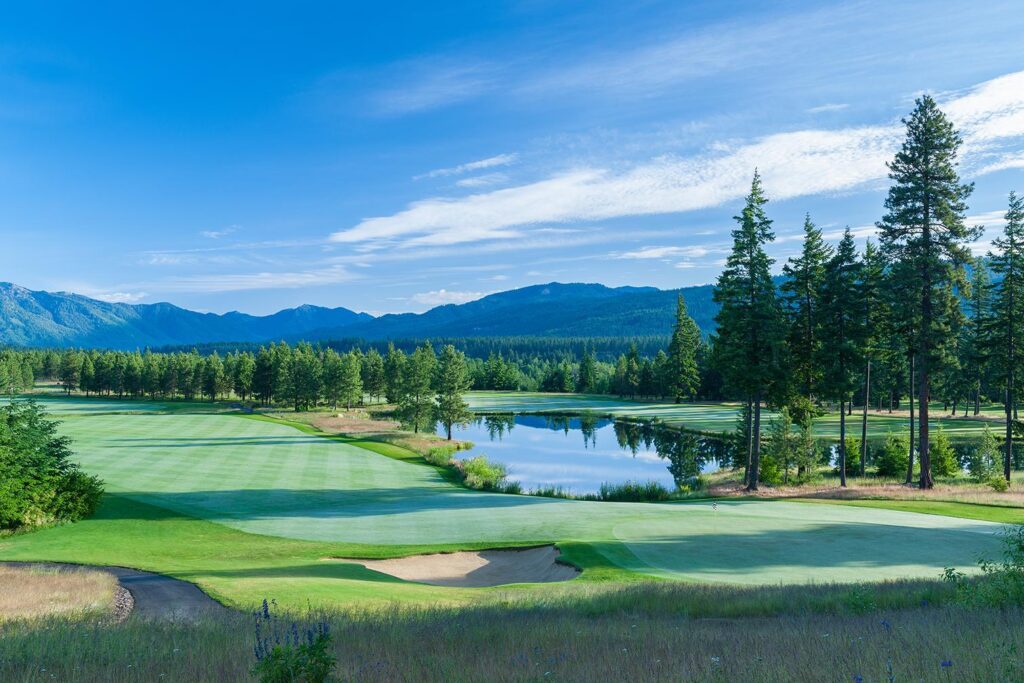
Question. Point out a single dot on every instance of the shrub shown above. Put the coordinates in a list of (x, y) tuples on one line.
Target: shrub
[(852, 457), (283, 656), (479, 473), (893, 459), (38, 482), (983, 462), (998, 483), (633, 491), (943, 456), (1001, 583), (440, 455)]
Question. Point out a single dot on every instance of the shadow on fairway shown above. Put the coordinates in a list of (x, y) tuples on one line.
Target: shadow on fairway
[(824, 546), (254, 504)]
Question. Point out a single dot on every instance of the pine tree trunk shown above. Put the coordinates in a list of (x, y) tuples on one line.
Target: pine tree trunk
[(755, 459), (977, 401), (750, 441), (922, 424), (842, 444), (864, 422), (910, 398), (1008, 455)]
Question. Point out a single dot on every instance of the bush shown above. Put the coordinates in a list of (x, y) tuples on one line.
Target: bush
[(943, 456), (283, 656), (440, 455), (38, 482), (852, 457), (1001, 583), (983, 462), (998, 483), (479, 473), (894, 457), (633, 492)]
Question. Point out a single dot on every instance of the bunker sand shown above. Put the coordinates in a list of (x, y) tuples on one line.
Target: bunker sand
[(477, 569)]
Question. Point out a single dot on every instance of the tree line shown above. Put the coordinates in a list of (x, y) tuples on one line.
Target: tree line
[(914, 313)]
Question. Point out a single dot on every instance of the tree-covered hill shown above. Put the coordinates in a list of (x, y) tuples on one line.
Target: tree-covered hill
[(61, 319)]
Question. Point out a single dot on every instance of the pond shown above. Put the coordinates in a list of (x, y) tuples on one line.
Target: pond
[(579, 454)]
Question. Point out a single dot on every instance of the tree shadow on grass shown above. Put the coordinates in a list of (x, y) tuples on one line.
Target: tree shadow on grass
[(821, 547)]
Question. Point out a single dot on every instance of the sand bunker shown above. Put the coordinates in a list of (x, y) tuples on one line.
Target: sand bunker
[(476, 569)]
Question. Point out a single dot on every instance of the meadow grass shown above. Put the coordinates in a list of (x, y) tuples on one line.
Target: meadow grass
[(509, 643), (35, 591)]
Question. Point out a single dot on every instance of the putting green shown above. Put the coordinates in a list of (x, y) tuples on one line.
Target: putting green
[(714, 418), (267, 478)]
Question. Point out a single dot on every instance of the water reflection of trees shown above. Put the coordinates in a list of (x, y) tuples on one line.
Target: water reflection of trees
[(498, 426), (687, 453)]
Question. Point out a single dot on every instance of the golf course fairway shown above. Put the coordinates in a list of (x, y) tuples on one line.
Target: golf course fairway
[(316, 497)]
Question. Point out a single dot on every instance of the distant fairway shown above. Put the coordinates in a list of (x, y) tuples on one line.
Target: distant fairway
[(267, 478), (713, 417)]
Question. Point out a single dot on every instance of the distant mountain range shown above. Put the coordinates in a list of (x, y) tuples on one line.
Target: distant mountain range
[(59, 319)]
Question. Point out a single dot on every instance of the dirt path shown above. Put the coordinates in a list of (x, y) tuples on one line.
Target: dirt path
[(154, 596), (477, 569)]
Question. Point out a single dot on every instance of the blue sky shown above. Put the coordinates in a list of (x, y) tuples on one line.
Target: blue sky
[(396, 156)]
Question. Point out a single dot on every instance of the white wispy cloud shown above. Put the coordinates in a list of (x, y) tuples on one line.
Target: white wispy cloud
[(478, 165), (824, 108), (433, 82), (119, 297), (793, 164), (485, 180), (443, 296), (232, 282), (665, 252), (217, 234)]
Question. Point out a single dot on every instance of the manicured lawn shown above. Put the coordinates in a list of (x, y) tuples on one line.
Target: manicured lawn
[(710, 417), (249, 507)]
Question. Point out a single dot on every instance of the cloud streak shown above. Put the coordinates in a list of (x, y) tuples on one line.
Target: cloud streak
[(793, 164)]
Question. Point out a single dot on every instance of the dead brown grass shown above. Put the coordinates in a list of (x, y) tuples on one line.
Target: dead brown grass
[(857, 489), (40, 590), (369, 423)]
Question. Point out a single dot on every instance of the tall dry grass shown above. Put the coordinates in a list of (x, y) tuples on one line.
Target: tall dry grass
[(37, 591), (537, 644)]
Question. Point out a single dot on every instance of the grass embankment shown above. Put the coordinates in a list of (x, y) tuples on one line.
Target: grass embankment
[(35, 591)]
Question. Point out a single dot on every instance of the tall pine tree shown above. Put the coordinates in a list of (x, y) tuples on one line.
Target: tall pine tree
[(751, 332), (805, 275), (681, 366), (1007, 340), (842, 335), (924, 228)]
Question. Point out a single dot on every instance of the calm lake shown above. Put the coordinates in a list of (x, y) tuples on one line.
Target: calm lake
[(578, 454)]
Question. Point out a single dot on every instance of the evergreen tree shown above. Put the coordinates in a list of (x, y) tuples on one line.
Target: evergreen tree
[(805, 275), (373, 374), (681, 369), (394, 370), (924, 227), (870, 286), (1007, 329), (453, 381), (588, 373), (976, 334), (751, 333), (415, 406), (351, 379), (842, 335)]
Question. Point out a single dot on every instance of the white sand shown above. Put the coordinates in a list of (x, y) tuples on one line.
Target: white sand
[(476, 569)]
